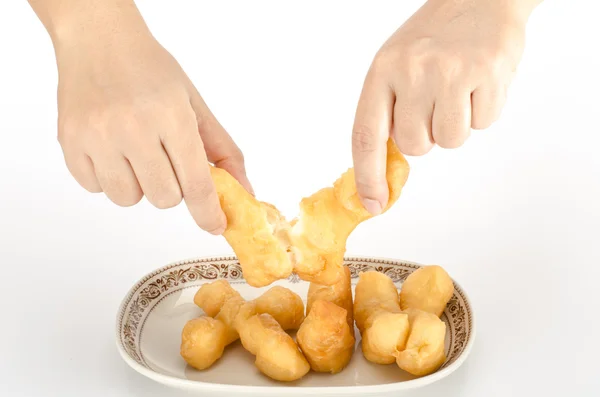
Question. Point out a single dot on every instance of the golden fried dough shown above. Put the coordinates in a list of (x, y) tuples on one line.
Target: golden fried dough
[(277, 355), (325, 337), (211, 296), (269, 248), (286, 306), (424, 352), (339, 293), (383, 327), (428, 288), (374, 291), (202, 342), (228, 314), (328, 217), (385, 334), (283, 304), (256, 232)]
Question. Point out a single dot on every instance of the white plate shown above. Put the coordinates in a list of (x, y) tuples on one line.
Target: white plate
[(153, 313)]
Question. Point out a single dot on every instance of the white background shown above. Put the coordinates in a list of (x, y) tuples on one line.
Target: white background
[(514, 215)]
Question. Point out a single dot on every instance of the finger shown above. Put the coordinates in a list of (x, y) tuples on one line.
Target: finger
[(371, 130), (452, 117), (220, 148), (155, 175), (186, 152), (117, 179), (82, 169), (412, 125), (486, 106)]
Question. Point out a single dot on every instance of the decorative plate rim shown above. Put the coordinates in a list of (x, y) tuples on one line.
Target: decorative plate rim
[(264, 390)]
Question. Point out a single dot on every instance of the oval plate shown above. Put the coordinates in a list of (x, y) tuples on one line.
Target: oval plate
[(153, 313)]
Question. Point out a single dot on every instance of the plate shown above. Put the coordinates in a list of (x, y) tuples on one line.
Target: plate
[(154, 311)]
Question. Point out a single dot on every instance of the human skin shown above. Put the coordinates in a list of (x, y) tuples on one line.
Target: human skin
[(445, 71), (130, 122)]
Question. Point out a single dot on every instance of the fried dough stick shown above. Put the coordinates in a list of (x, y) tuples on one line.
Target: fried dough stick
[(256, 231), (424, 352), (326, 337), (204, 339), (277, 355), (329, 216), (313, 245), (383, 326), (428, 288), (412, 338), (339, 293)]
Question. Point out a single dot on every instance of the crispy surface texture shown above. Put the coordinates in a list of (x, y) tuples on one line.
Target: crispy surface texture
[(211, 297), (385, 334), (325, 337), (329, 216), (270, 248), (277, 355), (339, 293), (252, 232), (428, 288), (285, 306), (424, 352), (374, 292), (202, 342), (383, 326), (204, 339)]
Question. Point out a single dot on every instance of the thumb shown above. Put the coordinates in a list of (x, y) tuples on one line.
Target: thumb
[(372, 126)]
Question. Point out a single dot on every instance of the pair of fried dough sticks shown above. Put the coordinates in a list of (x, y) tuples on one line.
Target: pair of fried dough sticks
[(324, 340), (270, 248), (404, 327)]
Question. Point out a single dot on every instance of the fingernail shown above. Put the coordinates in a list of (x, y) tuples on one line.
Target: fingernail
[(218, 231), (221, 229), (373, 206)]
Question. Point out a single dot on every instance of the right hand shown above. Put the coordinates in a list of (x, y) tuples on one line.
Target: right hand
[(131, 124)]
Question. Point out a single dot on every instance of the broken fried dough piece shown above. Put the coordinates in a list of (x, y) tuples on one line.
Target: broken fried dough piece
[(269, 248), (202, 342), (385, 334), (256, 231), (383, 327), (339, 293), (283, 304), (325, 337), (425, 351), (328, 217), (428, 288), (277, 355), (212, 296)]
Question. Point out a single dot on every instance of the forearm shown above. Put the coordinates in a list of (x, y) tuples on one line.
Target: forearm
[(66, 20)]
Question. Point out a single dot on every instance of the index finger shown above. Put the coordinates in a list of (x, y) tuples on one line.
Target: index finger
[(188, 157), (371, 130)]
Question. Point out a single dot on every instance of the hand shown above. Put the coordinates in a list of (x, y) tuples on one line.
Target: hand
[(131, 124), (445, 71)]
